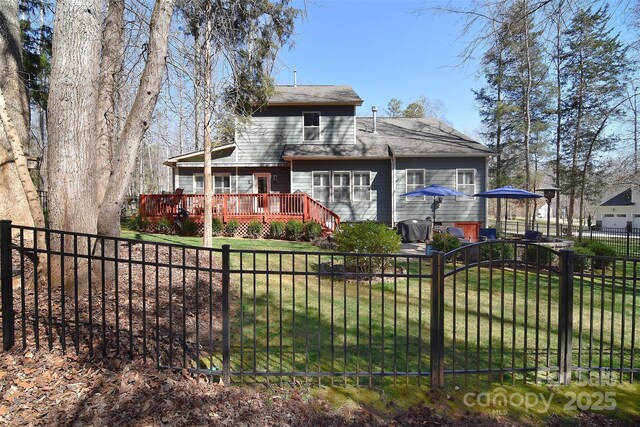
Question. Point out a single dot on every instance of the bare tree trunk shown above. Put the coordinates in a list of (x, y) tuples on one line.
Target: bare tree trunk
[(14, 188), (138, 119), (72, 115), (112, 63), (208, 193), (20, 161), (527, 110)]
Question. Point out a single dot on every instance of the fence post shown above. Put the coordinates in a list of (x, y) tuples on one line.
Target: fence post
[(6, 272), (565, 317), (628, 239), (437, 320), (225, 315)]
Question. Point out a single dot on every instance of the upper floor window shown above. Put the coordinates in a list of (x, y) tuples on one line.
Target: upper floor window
[(415, 181), (311, 126), (341, 186), (362, 186), (466, 183), (321, 186)]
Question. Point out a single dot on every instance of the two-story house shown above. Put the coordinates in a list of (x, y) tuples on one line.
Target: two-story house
[(309, 141)]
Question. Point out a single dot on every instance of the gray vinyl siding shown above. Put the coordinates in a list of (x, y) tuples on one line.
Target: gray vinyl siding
[(441, 171), (379, 206), (264, 138)]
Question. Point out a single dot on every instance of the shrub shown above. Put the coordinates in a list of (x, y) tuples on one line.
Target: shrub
[(599, 249), (138, 223), (217, 226), (325, 244), (496, 251), (538, 254), (189, 228), (254, 229), (276, 230), (445, 242), (232, 227), (164, 226), (367, 238), (312, 230), (294, 229), (581, 263)]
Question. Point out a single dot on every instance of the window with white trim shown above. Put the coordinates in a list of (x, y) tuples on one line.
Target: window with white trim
[(341, 186), (222, 184), (415, 181), (311, 126), (466, 183), (198, 183), (362, 186), (321, 186)]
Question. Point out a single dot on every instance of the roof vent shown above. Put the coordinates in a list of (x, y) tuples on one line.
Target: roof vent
[(374, 110), (295, 78)]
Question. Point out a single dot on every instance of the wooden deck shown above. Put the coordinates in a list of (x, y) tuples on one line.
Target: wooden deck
[(242, 207)]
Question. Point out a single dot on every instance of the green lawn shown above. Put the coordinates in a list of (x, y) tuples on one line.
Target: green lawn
[(291, 314)]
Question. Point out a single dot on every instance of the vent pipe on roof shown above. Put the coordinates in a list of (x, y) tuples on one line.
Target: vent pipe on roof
[(295, 78), (374, 110)]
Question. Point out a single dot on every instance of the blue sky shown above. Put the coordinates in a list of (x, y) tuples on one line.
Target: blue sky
[(384, 49)]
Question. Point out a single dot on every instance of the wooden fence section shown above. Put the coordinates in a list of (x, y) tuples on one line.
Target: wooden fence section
[(242, 207)]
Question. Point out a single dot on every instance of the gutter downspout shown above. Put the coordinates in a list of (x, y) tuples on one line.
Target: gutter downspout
[(486, 185), (393, 188)]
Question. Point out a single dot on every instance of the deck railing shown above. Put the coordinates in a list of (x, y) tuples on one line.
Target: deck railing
[(243, 207)]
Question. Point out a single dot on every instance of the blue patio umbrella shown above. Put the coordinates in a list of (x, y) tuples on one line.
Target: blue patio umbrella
[(508, 192), (435, 191)]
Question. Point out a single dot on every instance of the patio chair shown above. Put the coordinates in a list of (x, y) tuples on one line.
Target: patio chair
[(488, 234), (529, 235), (459, 233)]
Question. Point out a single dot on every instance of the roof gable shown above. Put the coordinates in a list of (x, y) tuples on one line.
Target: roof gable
[(622, 199)]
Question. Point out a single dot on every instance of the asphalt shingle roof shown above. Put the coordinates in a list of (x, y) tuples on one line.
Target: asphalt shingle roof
[(311, 95), (403, 136), (621, 199)]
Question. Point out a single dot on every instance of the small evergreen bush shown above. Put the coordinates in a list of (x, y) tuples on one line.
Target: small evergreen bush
[(581, 263), (445, 242), (276, 230), (367, 238), (496, 251), (217, 226), (312, 230), (254, 229), (294, 229), (189, 228), (138, 223), (232, 227), (599, 249), (164, 226), (538, 254)]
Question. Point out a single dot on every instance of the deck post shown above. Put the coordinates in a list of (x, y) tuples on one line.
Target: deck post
[(305, 207), (225, 198)]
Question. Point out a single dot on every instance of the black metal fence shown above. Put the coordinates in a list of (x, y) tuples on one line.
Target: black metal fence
[(507, 311), (625, 241)]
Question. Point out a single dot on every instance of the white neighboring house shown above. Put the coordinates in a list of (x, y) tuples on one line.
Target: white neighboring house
[(621, 210), (542, 211)]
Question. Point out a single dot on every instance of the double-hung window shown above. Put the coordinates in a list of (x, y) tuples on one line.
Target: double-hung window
[(321, 186), (361, 186), (222, 184), (415, 181), (198, 183), (311, 126), (341, 186), (466, 179)]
